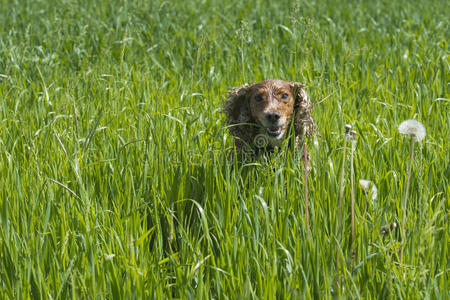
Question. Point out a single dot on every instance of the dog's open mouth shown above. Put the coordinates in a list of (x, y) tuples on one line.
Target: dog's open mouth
[(275, 131)]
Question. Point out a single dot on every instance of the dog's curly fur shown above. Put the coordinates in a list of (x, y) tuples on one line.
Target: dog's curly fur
[(245, 126)]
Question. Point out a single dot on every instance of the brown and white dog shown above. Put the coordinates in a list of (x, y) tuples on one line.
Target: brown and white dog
[(259, 115)]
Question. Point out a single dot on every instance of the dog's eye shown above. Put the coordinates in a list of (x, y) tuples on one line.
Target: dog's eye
[(258, 98), (284, 96)]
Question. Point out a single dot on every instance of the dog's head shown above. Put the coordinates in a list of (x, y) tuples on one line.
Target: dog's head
[(270, 105)]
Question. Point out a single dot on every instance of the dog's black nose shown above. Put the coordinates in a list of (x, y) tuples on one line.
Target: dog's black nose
[(273, 116)]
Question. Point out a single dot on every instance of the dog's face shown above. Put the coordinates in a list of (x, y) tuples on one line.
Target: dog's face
[(271, 104), (268, 108)]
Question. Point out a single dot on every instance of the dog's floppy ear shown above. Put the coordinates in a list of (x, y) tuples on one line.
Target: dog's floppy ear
[(303, 122), (238, 115), (236, 107)]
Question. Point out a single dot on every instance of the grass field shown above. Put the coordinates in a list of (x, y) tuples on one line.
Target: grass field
[(116, 173)]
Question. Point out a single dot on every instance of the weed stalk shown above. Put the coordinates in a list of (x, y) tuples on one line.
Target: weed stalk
[(352, 184), (405, 199)]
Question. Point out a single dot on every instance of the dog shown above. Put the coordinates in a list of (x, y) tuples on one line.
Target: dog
[(261, 115)]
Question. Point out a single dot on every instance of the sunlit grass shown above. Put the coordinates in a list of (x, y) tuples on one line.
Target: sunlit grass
[(117, 174)]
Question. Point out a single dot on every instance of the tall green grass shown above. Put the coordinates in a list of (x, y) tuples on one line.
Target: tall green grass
[(116, 173)]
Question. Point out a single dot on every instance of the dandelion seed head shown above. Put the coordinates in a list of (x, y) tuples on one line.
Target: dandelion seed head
[(413, 128), (349, 133), (365, 184), (109, 257), (352, 135), (348, 127), (369, 187)]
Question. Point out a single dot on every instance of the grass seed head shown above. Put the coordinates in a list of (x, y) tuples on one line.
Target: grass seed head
[(413, 128)]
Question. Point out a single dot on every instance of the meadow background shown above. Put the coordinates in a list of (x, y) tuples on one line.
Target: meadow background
[(116, 170)]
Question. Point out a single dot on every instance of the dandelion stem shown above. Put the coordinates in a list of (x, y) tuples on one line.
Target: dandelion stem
[(341, 188), (341, 193), (405, 200), (353, 193)]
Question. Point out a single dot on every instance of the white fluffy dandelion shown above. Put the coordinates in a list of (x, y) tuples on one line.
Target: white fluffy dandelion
[(369, 187), (413, 128)]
